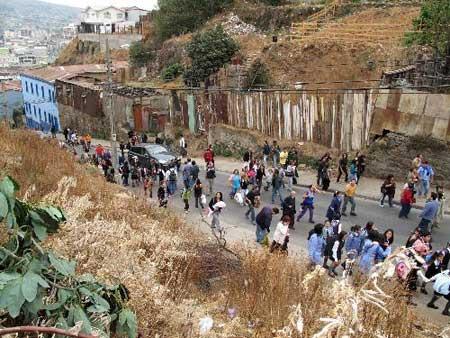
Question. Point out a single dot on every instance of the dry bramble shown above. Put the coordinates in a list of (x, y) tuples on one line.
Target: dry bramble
[(176, 276)]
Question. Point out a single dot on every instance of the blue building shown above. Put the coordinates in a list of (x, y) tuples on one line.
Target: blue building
[(39, 100), (39, 92)]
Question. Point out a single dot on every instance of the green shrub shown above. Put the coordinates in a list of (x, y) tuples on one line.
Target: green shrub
[(431, 27), (177, 17), (140, 53), (209, 51), (172, 71)]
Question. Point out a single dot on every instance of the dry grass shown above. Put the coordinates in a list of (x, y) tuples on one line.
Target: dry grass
[(176, 276)]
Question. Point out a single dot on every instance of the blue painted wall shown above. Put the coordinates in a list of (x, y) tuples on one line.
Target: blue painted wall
[(39, 101)]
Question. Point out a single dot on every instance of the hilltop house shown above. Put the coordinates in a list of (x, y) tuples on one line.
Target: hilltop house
[(109, 19)]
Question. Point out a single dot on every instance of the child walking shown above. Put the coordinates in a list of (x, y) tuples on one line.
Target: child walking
[(186, 195)]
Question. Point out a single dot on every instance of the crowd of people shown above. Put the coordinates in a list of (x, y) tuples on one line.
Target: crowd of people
[(277, 169)]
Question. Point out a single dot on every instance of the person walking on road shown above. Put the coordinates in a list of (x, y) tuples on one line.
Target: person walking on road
[(281, 236), (429, 212), (349, 196), (308, 203), (275, 150), (195, 170), (290, 172), (187, 168), (277, 185), (388, 189), (198, 191), (324, 161), (283, 158), (406, 200), (316, 245), (441, 288), (235, 181), (260, 174), (171, 178), (186, 196), (426, 174), (210, 176), (208, 156), (266, 152), (251, 200), (216, 205), (289, 209), (263, 222), (334, 209), (342, 168)]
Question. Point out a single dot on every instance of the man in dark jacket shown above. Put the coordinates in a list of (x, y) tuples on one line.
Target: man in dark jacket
[(251, 200), (289, 208), (263, 221)]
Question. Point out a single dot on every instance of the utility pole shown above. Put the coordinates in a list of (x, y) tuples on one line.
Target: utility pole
[(110, 106)]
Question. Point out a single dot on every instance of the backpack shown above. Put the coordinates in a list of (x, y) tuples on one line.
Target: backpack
[(210, 173), (172, 175)]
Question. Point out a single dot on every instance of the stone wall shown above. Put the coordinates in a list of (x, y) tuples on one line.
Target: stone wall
[(115, 41)]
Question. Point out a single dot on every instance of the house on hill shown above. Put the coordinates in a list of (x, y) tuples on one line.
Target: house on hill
[(109, 19)]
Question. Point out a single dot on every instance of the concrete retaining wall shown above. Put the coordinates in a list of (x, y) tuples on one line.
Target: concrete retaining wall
[(412, 114), (115, 40)]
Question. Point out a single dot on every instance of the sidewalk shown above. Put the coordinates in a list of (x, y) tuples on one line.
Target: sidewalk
[(368, 188)]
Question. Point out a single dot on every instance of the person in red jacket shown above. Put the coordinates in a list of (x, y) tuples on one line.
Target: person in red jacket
[(208, 156), (406, 200)]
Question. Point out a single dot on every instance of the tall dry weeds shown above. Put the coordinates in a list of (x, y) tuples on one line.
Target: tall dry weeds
[(176, 276)]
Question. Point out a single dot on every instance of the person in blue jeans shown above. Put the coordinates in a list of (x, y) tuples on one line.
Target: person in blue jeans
[(426, 174), (235, 180), (263, 221), (308, 203)]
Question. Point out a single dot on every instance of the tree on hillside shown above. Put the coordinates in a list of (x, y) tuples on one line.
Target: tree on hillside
[(177, 17), (432, 26), (209, 51)]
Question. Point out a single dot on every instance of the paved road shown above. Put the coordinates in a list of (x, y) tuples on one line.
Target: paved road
[(367, 210)]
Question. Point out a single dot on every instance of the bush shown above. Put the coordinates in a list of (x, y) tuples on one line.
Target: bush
[(140, 53), (177, 17), (209, 51), (172, 71), (431, 26), (258, 75)]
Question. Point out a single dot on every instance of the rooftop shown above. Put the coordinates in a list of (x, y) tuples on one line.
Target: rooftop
[(10, 85), (50, 74)]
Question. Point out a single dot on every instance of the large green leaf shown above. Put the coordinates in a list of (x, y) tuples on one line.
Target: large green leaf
[(11, 297), (4, 208), (29, 286), (80, 316), (66, 268), (8, 186), (40, 231), (127, 323)]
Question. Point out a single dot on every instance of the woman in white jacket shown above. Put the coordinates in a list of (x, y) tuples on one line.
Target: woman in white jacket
[(281, 235)]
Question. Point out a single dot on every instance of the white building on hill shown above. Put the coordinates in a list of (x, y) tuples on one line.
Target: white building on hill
[(109, 19)]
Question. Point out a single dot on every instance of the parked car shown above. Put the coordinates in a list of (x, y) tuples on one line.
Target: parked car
[(146, 152)]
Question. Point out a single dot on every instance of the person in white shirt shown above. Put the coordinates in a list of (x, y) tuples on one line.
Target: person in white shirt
[(281, 235)]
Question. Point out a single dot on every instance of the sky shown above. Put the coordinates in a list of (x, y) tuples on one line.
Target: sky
[(144, 4)]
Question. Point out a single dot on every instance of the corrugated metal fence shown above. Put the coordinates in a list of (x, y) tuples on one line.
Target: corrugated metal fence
[(339, 120)]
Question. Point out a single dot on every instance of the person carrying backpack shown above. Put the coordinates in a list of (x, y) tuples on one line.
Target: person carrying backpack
[(172, 180)]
